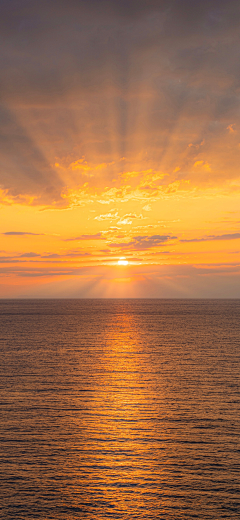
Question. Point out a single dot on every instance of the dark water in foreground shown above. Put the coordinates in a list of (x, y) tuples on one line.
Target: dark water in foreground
[(120, 409)]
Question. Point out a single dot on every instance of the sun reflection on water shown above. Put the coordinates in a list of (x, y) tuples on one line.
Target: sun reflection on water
[(119, 453)]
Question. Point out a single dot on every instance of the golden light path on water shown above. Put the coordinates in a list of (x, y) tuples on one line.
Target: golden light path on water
[(120, 449)]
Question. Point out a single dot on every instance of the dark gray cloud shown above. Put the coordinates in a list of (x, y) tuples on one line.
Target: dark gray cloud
[(226, 236), (29, 255)]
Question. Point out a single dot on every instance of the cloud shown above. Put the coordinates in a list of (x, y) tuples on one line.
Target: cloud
[(70, 254), (29, 255), (49, 256), (231, 129), (8, 260), (227, 236), (107, 216), (43, 273), (127, 219), (144, 242), (96, 236), (124, 221), (15, 233), (18, 258)]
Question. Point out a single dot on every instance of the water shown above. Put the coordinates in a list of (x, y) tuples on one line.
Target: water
[(120, 409)]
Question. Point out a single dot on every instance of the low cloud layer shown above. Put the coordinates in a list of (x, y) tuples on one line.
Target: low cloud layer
[(163, 281)]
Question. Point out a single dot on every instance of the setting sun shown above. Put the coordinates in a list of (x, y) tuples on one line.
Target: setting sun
[(122, 261)]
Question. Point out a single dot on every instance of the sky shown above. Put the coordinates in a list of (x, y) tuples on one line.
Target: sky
[(120, 149)]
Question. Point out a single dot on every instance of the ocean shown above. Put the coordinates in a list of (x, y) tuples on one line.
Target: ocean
[(120, 409)]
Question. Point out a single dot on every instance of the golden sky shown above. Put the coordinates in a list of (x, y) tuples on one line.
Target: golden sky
[(120, 140)]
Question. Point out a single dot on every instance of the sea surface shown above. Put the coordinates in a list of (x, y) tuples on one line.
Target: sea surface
[(120, 409)]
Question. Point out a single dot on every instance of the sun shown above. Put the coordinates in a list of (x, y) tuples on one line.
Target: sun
[(122, 261)]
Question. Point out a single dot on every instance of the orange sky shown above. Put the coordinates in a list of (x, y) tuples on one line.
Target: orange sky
[(120, 138)]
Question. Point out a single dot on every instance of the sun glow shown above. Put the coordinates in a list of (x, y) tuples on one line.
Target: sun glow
[(122, 261)]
